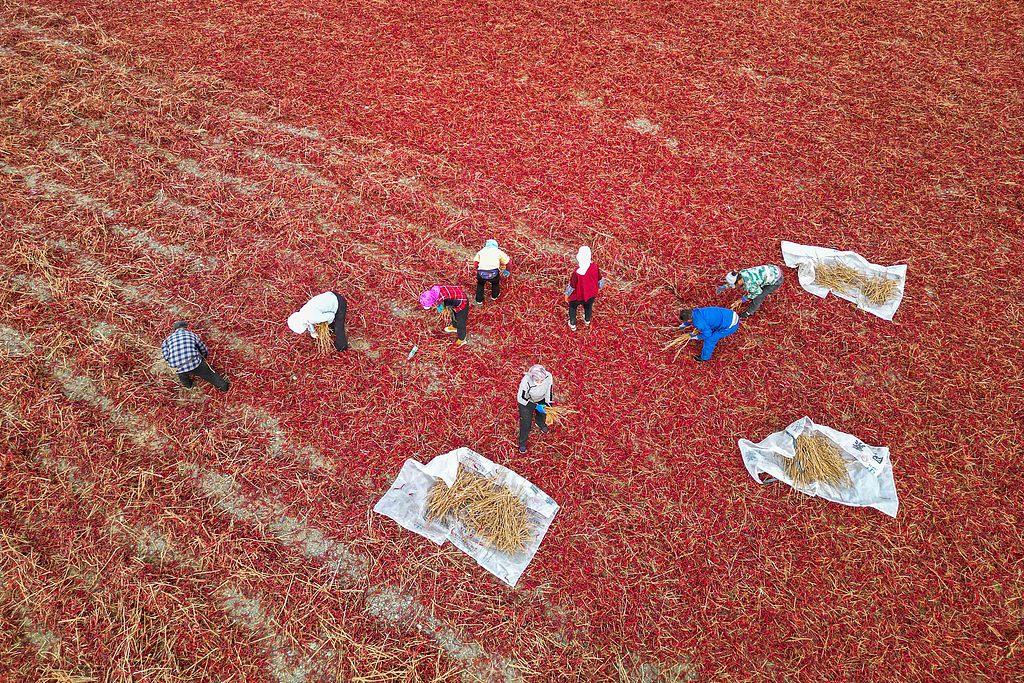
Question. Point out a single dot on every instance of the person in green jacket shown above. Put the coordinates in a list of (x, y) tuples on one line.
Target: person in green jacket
[(757, 283)]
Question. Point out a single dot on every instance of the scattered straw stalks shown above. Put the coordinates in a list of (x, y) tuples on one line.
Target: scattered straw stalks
[(493, 512), (840, 277), (324, 341), (817, 459)]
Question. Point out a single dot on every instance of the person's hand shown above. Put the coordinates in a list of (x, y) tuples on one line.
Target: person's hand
[(440, 308), (721, 288), (540, 409), (505, 273), (565, 298)]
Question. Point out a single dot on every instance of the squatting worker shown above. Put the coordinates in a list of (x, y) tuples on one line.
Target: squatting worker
[(584, 284), (534, 395), (491, 266), (330, 308), (710, 325), (454, 299), (757, 283), (186, 353)]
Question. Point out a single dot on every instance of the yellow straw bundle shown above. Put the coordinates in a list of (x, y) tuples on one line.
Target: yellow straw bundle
[(324, 342), (554, 414), (840, 277), (878, 290), (446, 314), (817, 459), (492, 511)]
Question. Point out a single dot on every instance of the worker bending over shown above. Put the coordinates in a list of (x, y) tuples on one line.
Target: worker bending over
[(709, 325)]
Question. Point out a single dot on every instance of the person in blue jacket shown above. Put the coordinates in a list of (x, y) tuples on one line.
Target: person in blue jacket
[(710, 325)]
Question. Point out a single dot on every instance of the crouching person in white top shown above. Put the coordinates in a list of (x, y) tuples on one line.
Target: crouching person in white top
[(330, 308)]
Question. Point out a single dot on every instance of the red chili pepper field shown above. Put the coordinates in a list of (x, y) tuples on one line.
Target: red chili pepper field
[(224, 161)]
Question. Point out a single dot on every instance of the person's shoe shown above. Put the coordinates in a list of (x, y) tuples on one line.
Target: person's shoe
[(451, 329), (227, 385), (522, 449), (572, 327), (586, 322), (477, 303), (495, 298), (545, 429), (460, 342)]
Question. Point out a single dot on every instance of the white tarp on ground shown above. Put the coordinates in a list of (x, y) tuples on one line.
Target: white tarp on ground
[(873, 483), (804, 257), (406, 503)]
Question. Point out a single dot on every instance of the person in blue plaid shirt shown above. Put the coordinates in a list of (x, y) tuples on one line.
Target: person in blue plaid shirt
[(186, 353)]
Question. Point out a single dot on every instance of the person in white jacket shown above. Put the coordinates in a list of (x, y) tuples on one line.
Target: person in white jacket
[(330, 308), (533, 397)]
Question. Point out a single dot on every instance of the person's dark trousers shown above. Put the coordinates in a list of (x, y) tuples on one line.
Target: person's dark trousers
[(756, 302), (204, 372), (481, 284), (461, 318), (588, 309), (338, 326), (529, 414)]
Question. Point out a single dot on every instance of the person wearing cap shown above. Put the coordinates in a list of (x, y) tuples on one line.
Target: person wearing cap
[(584, 284), (186, 353), (710, 325), (451, 297), (330, 308), (757, 283), (534, 395), (491, 266)]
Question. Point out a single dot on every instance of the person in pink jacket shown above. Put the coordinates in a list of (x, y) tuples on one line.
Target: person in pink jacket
[(584, 284)]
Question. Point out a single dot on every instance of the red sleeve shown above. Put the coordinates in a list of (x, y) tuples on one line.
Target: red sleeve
[(574, 280)]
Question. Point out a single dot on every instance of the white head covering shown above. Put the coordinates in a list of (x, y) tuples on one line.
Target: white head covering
[(583, 258), (297, 322), (730, 277), (537, 374)]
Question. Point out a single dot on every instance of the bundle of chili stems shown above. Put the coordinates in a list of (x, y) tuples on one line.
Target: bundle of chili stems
[(486, 507), (554, 414), (324, 343), (840, 277), (446, 314), (679, 343), (817, 458)]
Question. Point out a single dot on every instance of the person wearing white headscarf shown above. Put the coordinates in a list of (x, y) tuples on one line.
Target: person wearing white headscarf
[(491, 266), (757, 283), (534, 394), (330, 308), (584, 284)]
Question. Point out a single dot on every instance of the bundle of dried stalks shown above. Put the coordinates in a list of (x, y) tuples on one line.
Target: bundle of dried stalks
[(840, 277), (446, 315), (837, 276), (493, 512), (679, 343), (324, 339), (817, 458)]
